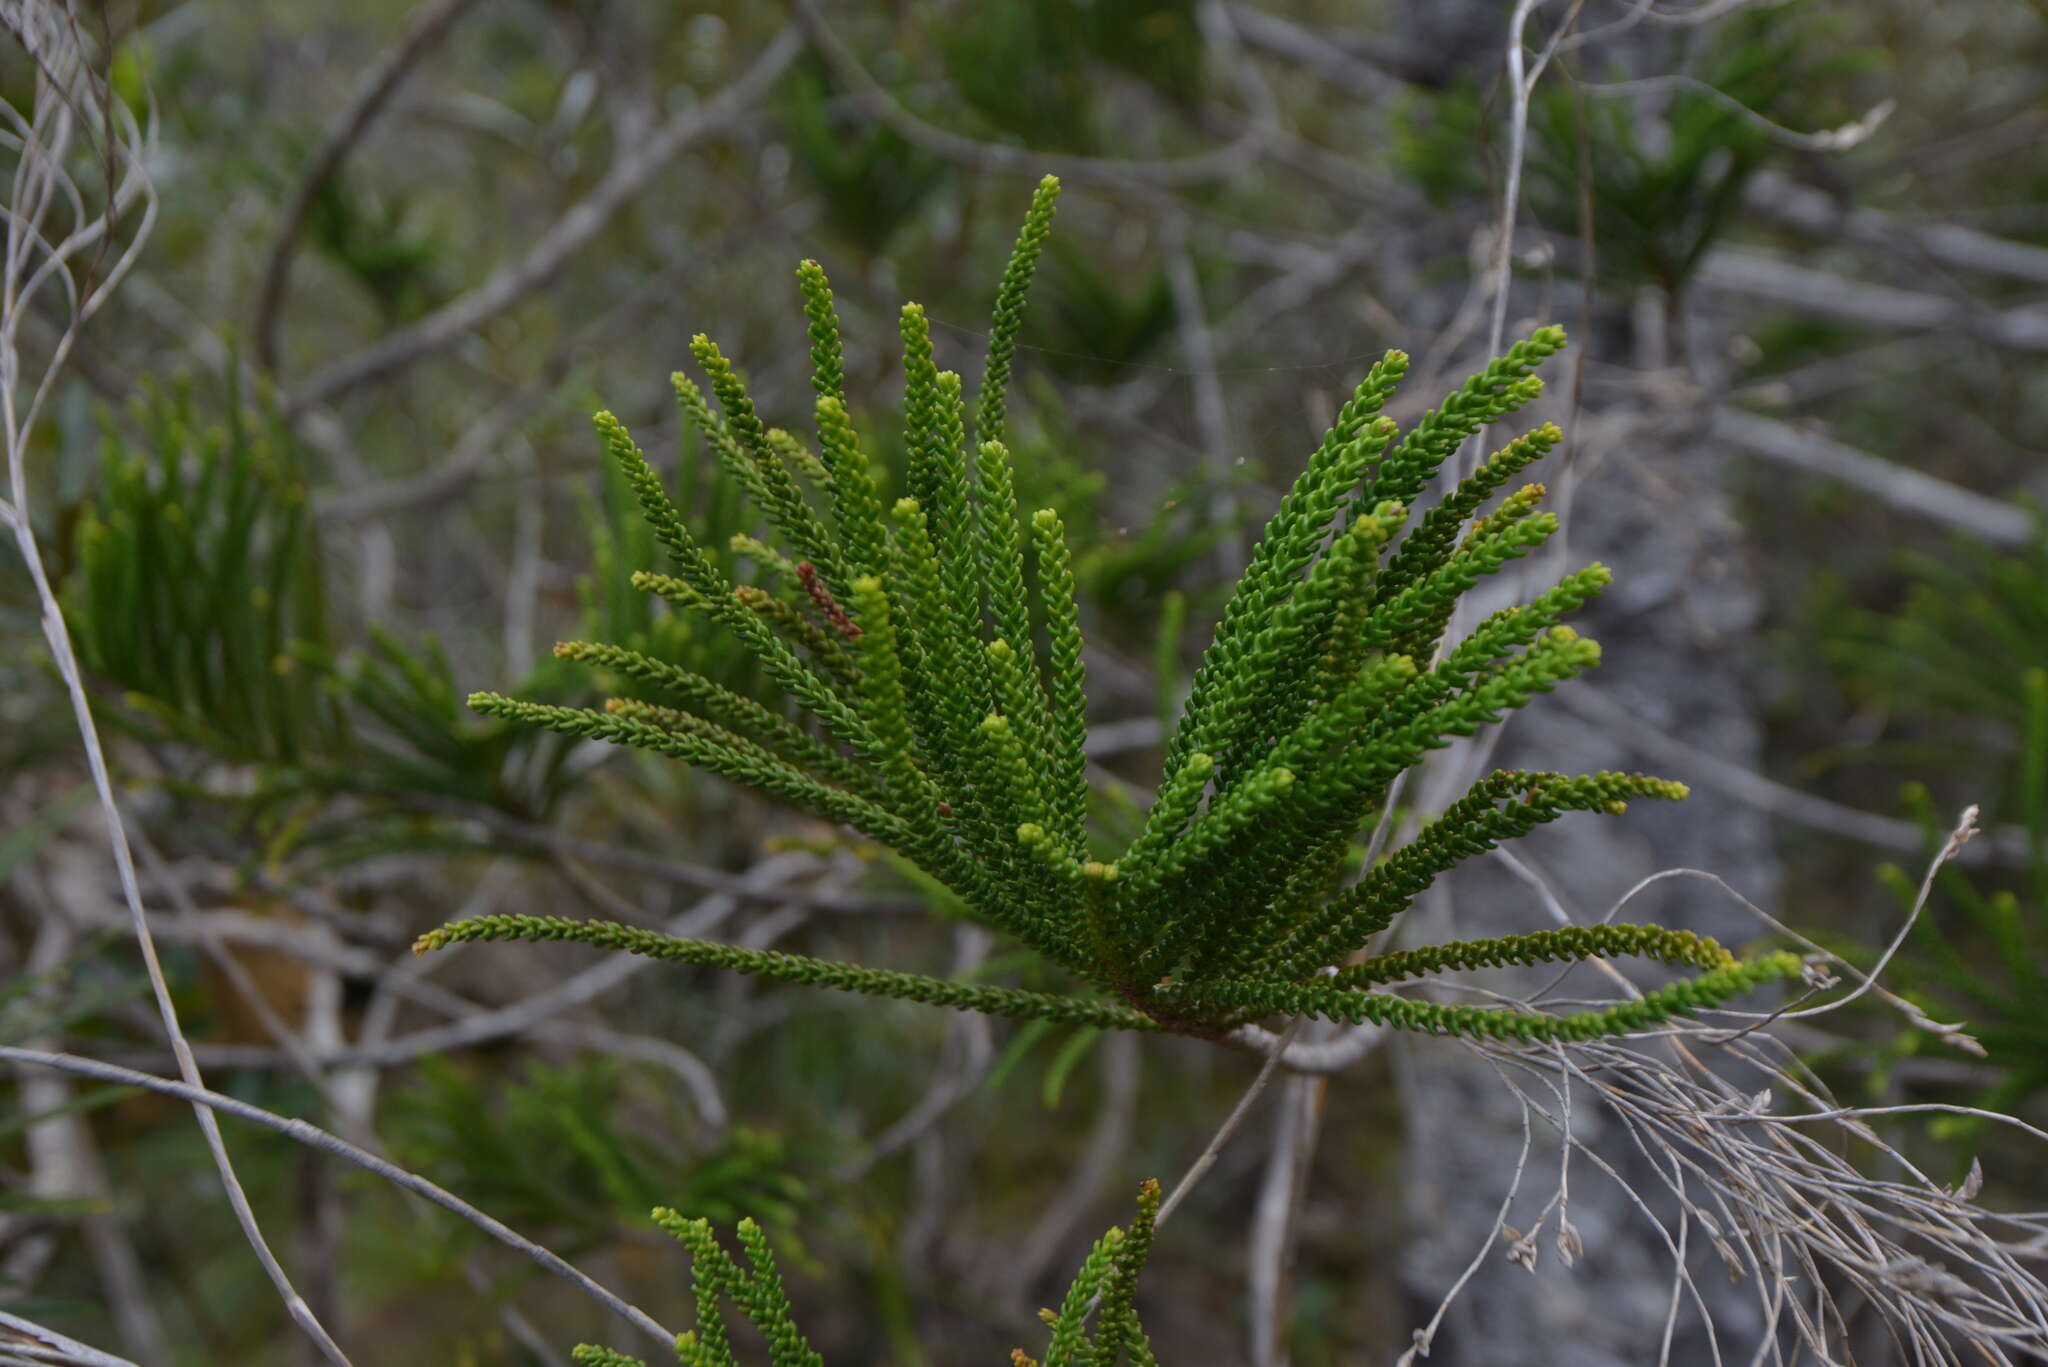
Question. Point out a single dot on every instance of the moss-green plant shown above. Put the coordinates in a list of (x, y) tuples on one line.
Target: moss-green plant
[(1096, 1325), (197, 596), (873, 183), (938, 727), (581, 1150)]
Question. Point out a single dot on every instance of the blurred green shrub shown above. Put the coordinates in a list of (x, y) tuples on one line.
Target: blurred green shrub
[(1093, 329), (379, 242), (1964, 663), (1664, 192), (872, 182), (1663, 188), (198, 600), (1979, 952), (576, 1154), (196, 585), (1959, 652)]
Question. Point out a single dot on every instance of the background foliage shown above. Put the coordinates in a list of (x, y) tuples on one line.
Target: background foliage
[(286, 567)]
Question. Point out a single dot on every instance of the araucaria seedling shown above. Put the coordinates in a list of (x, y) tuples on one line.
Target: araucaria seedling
[(934, 724)]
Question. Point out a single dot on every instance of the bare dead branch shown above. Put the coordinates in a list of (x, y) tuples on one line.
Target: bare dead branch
[(1784, 284), (1825, 140), (1315, 52), (2005, 845), (35, 1344), (1212, 415), (1898, 486), (569, 234), (1276, 1218), (1829, 218)]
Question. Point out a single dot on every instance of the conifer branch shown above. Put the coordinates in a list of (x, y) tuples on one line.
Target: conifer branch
[(793, 968), (990, 415), (720, 704), (758, 469), (856, 506), (1069, 761), (1328, 1002), (1102, 1288), (1680, 948), (828, 359), (1324, 683)]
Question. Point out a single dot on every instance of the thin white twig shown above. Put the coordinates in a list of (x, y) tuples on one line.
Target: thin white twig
[(1966, 827), (1840, 139), (1212, 415), (67, 87), (1424, 1336), (80, 1354), (1207, 1159)]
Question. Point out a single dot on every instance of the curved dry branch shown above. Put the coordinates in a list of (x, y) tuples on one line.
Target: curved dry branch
[(1897, 486), (379, 81), (73, 99), (570, 234), (314, 1137)]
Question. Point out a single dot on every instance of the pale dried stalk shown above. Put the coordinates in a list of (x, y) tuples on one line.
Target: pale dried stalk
[(73, 103), (1750, 1148)]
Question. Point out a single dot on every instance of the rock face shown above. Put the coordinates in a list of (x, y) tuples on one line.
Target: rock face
[(1673, 627)]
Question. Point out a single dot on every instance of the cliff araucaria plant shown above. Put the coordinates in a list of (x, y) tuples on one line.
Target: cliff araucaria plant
[(1096, 1325), (943, 712)]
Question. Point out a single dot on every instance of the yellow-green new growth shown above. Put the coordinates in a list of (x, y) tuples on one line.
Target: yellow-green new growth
[(1096, 1326), (944, 709)]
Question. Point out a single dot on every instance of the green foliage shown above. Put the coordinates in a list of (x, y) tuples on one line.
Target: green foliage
[(409, 739), (1023, 66), (1094, 326), (1121, 572), (1980, 953), (1662, 195), (1662, 187), (1972, 631), (581, 1150), (198, 602), (1102, 1292), (1964, 663), (196, 584), (947, 737), (873, 183), (1434, 139), (378, 244)]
